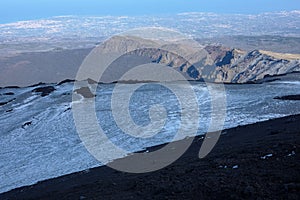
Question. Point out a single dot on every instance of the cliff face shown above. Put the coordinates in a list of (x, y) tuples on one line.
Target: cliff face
[(239, 67), (211, 63)]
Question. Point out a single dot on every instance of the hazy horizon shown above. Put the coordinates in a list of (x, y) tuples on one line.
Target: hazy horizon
[(17, 10)]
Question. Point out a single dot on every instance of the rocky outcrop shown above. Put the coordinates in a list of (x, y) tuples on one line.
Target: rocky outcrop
[(170, 59), (254, 66)]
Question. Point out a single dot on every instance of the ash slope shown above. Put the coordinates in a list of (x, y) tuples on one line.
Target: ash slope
[(39, 141), (255, 161)]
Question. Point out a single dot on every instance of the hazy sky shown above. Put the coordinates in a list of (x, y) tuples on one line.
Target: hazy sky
[(14, 10)]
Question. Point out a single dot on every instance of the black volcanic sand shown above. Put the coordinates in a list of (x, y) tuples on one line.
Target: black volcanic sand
[(257, 177)]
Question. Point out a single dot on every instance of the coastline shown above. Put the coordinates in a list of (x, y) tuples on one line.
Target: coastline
[(251, 161)]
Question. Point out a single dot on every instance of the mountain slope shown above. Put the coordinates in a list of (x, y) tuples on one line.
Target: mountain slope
[(255, 66), (211, 63)]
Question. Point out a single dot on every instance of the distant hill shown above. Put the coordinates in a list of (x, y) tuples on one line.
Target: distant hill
[(217, 64), (213, 63)]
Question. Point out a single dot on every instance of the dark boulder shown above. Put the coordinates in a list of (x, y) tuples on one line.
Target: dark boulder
[(289, 97), (44, 90), (3, 103), (26, 124), (9, 93), (68, 109), (10, 110)]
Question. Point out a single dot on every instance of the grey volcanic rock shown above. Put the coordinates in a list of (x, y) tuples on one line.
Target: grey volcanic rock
[(85, 92), (91, 81), (255, 66), (170, 59)]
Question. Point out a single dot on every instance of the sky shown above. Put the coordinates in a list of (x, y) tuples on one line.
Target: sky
[(17, 10)]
